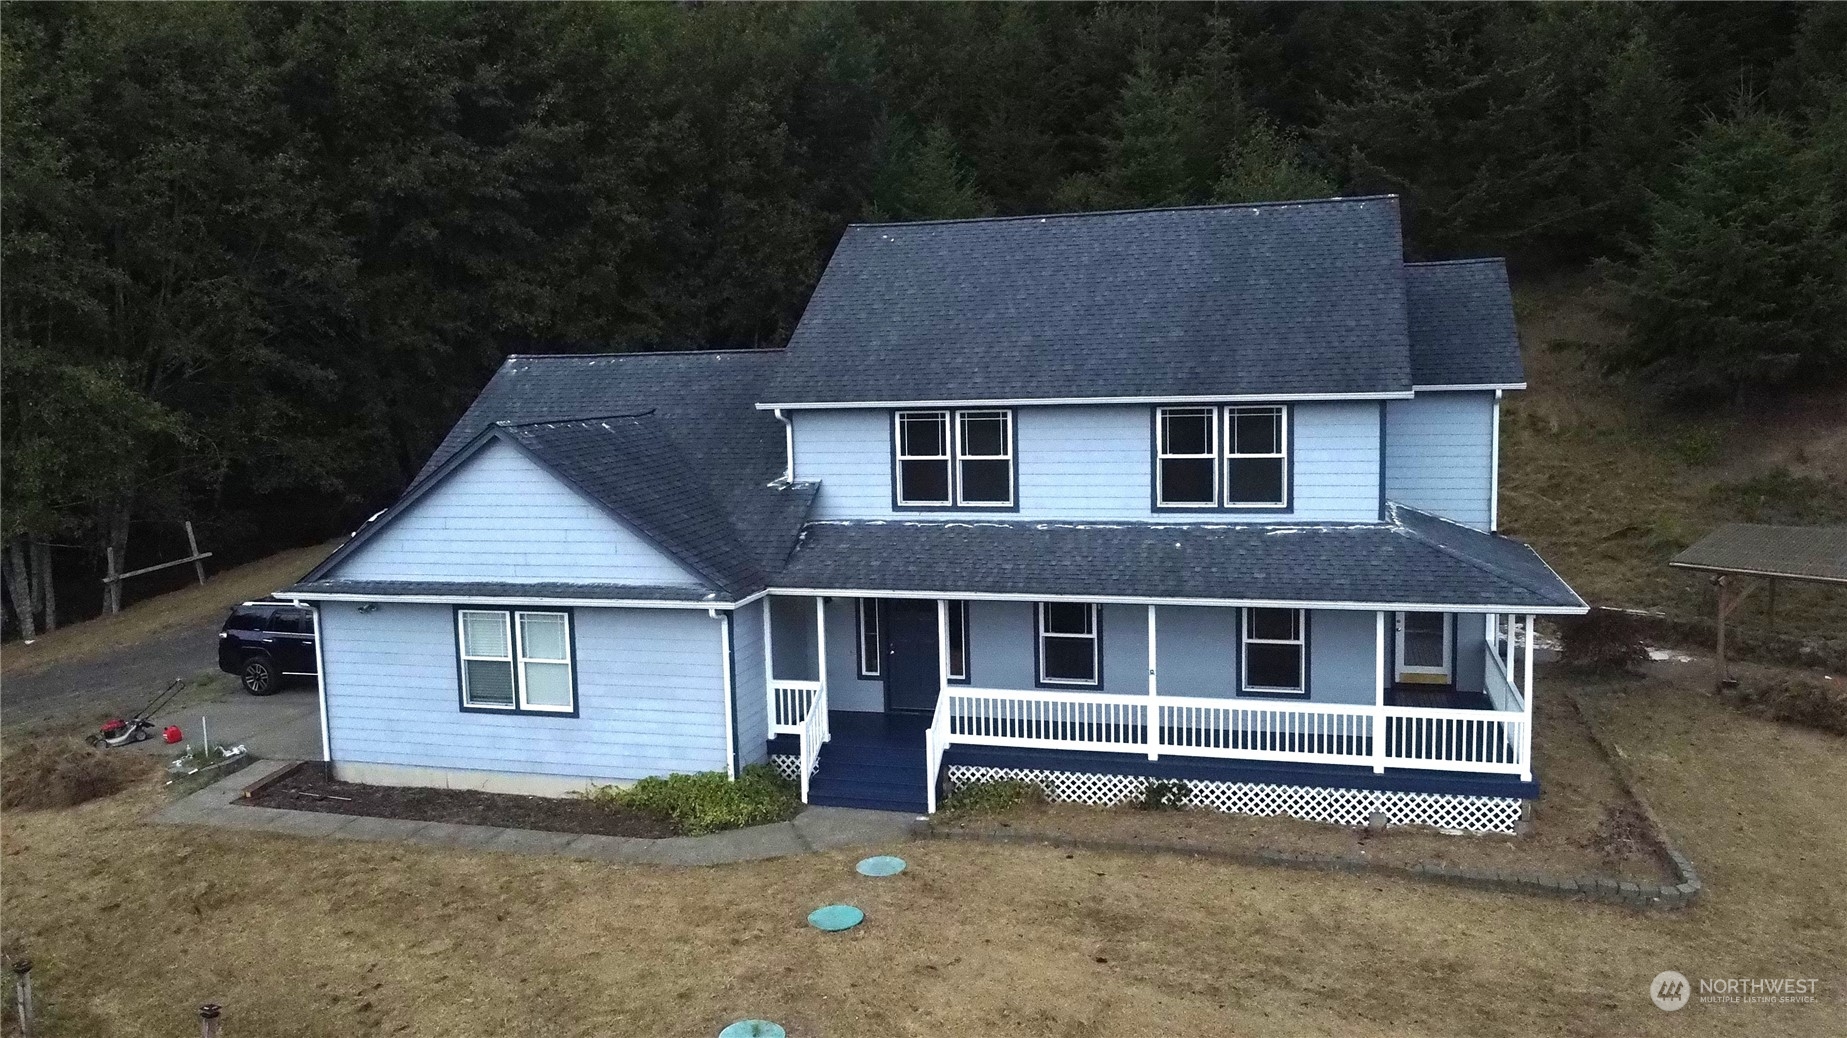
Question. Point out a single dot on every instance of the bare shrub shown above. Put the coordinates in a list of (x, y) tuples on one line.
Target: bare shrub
[(1603, 641), (62, 771), (1812, 704)]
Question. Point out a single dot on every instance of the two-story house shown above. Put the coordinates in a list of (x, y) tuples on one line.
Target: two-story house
[(1200, 495)]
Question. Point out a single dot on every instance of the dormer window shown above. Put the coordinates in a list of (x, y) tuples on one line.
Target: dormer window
[(1230, 457), (953, 458)]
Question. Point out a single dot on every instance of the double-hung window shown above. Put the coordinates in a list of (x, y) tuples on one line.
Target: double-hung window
[(1186, 438), (1256, 457), (516, 660), (954, 458), (1068, 650), (1230, 457), (1275, 651)]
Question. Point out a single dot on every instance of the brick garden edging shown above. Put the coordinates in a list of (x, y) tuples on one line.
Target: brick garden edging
[(1607, 889)]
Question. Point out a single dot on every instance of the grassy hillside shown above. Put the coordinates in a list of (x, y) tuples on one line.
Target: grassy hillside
[(1609, 486), (190, 605)]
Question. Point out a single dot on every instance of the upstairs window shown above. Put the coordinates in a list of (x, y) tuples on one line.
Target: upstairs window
[(1275, 651), (923, 457), (1256, 457), (1068, 651), (954, 458), (984, 458), (1186, 443)]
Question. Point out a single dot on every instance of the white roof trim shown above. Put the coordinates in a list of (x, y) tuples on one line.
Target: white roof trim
[(1252, 603), (1480, 387), (520, 600), (1218, 398)]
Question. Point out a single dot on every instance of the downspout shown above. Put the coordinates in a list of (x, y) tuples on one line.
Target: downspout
[(320, 678), (724, 659), (788, 445)]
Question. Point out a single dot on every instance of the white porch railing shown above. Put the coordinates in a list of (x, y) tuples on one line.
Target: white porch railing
[(1488, 741), (936, 740), (1485, 741), (812, 734), (790, 702), (1501, 691)]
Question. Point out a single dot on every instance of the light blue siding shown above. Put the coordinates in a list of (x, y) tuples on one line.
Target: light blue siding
[(1471, 643), (1439, 454), (502, 517), (1342, 649), (1000, 644), (1196, 650), (846, 690), (792, 637), (650, 696), (753, 723), (1085, 462)]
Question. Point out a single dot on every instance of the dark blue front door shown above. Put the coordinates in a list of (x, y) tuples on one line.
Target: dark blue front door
[(911, 680)]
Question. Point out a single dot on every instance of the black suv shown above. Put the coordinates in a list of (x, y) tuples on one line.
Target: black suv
[(264, 643)]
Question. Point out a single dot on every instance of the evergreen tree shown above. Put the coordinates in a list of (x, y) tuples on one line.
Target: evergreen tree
[(1265, 164), (1742, 283), (925, 179)]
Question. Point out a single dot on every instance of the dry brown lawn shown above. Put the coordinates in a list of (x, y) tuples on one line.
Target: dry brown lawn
[(193, 604), (1577, 786), (133, 925)]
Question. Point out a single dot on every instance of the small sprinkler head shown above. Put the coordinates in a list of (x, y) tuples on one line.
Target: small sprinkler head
[(209, 1011), (22, 966)]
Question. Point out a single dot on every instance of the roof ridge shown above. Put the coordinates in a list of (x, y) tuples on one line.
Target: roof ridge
[(1502, 260), (649, 353), (1337, 199), (504, 424), (1489, 568)]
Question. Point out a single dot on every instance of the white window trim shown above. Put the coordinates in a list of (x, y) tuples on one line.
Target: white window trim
[(1448, 646), (1282, 452), (570, 671), (1300, 641), (962, 675), (1096, 660), (961, 420), (516, 658), (871, 664), (1213, 424), (947, 457)]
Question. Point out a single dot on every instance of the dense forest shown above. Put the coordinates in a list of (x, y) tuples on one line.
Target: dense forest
[(258, 257)]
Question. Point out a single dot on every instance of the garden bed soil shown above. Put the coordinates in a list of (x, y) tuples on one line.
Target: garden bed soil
[(1582, 824), (304, 788)]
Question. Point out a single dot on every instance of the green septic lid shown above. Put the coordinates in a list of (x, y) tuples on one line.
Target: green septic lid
[(835, 917), (881, 865), (753, 1029)]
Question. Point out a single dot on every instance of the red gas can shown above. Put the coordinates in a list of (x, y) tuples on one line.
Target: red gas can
[(172, 734)]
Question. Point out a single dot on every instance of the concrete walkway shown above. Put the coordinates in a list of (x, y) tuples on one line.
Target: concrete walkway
[(815, 829)]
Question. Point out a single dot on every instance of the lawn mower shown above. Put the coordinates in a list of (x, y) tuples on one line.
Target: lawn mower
[(119, 732)]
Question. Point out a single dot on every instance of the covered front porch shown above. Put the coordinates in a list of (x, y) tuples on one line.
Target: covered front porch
[(1381, 698)]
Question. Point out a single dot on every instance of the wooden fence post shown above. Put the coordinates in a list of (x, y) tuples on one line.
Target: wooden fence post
[(22, 995), (198, 561)]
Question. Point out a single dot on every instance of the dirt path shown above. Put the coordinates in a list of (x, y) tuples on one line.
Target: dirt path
[(112, 682)]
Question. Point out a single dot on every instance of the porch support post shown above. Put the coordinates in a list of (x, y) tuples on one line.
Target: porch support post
[(769, 668), (1507, 657), (820, 641), (1378, 681), (1154, 707), (1526, 701), (942, 648)]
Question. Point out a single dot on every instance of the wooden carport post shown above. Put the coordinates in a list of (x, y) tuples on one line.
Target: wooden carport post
[(1726, 608)]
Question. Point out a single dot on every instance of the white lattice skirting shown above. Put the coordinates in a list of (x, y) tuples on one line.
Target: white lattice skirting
[(788, 765), (1312, 803)]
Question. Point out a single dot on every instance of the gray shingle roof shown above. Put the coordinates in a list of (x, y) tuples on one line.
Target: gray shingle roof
[(1296, 297), (1801, 552), (691, 463), (444, 590), (1462, 324), (1415, 559), (631, 466)]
